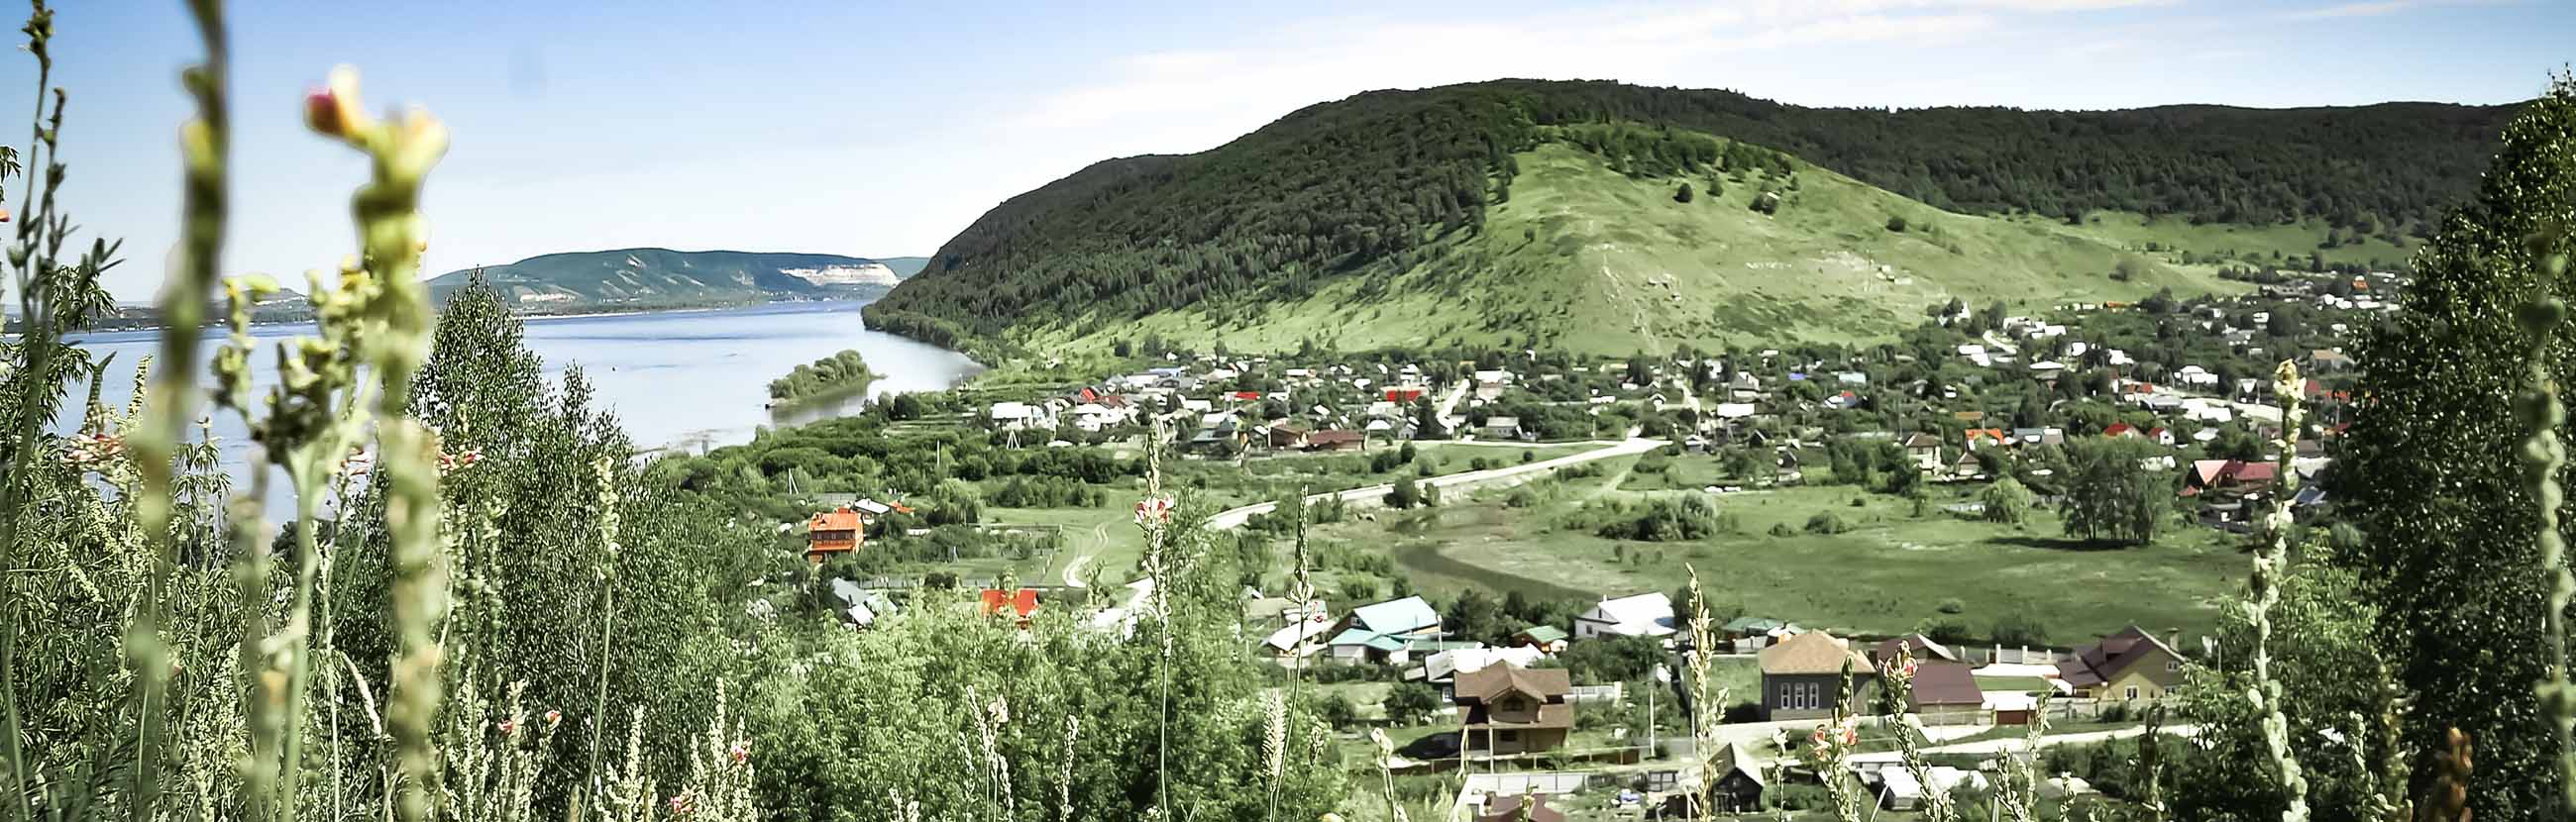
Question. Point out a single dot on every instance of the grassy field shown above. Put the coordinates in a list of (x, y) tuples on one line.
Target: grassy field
[(1586, 259), (1884, 575), (1106, 533), (2293, 241)]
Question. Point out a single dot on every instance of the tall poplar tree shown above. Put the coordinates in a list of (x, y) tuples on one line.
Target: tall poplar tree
[(2429, 467)]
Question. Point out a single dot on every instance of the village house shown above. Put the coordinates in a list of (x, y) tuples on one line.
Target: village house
[(1020, 604), (1744, 386), (1740, 779), (2039, 436), (1646, 615), (1443, 668), (1549, 639), (1967, 466), (1287, 436), (1384, 632), (1300, 639), (1924, 450), (1801, 675), (1501, 428), (1510, 710), (1944, 688), (1100, 412), (2229, 478), (1020, 416), (859, 606), (837, 531), (1336, 440), (2129, 666)]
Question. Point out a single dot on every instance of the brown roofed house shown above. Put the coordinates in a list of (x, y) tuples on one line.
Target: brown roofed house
[(1924, 649), (1333, 439), (1512, 710), (1946, 689), (2131, 665), (1801, 675)]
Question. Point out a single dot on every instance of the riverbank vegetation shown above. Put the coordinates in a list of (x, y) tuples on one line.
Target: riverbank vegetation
[(838, 375)]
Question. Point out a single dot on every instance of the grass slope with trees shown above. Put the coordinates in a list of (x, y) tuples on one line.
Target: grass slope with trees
[(1329, 192)]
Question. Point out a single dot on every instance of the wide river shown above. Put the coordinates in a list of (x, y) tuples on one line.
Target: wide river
[(689, 380)]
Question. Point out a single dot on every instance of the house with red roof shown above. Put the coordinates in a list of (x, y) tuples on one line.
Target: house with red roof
[(837, 531), (1020, 603), (2234, 478)]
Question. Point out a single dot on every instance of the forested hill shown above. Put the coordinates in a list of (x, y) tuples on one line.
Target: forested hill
[(1377, 182), (663, 276)]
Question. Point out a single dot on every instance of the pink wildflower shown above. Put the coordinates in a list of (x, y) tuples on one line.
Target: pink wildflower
[(322, 112), (509, 726), (1154, 510), (554, 718), (452, 463), (679, 804), (741, 752)]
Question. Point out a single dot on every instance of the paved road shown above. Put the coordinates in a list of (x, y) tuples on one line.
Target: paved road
[(1449, 406), (1235, 517)]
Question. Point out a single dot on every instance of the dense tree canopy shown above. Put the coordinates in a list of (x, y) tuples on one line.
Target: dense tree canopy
[(2429, 467), (1339, 186)]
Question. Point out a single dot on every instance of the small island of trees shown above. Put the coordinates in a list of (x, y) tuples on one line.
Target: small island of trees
[(836, 375)]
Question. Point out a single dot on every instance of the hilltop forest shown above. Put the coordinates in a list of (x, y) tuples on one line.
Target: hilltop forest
[(1365, 181)]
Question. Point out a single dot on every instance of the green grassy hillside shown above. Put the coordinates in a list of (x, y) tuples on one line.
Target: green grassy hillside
[(1399, 199), (646, 276), (1585, 258), (2210, 245)]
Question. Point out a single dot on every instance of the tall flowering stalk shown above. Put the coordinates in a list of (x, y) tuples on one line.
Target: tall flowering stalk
[(1895, 699), (606, 573), (204, 145), (2017, 798), (1154, 515), (2542, 457), (2271, 561), (1707, 707), (389, 300), (1829, 750)]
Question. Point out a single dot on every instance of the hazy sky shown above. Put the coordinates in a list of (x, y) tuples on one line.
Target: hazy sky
[(880, 129)]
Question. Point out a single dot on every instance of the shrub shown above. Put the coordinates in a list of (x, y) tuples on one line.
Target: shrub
[(1665, 520), (1947, 630), (2019, 628), (1825, 522), (1410, 702), (1783, 530), (1953, 606), (1896, 224)]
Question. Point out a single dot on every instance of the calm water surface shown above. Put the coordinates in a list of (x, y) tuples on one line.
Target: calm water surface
[(688, 380)]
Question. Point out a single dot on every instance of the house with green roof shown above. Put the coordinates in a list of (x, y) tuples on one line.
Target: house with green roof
[(1387, 632)]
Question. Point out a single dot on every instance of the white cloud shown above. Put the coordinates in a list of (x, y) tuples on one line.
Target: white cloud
[(2378, 8), (2372, 9)]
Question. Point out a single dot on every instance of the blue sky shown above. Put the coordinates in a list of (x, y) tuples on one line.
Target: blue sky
[(881, 129)]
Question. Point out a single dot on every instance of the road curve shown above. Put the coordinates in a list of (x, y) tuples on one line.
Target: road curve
[(1235, 517)]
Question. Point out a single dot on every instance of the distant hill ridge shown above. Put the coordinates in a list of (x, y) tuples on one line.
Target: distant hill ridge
[(1393, 199), (659, 275)]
